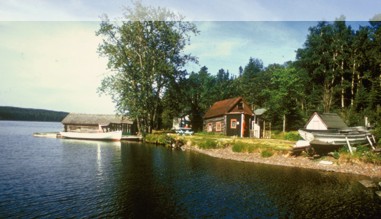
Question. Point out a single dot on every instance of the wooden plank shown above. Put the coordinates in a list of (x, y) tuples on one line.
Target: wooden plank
[(349, 145)]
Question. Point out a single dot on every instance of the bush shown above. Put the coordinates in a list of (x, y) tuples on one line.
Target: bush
[(208, 144), (292, 136), (157, 138), (240, 147), (267, 153)]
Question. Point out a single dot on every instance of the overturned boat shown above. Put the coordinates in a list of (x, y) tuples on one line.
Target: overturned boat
[(328, 132), (333, 140)]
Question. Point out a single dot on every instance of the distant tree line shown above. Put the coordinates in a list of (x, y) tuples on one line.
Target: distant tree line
[(25, 114), (337, 70)]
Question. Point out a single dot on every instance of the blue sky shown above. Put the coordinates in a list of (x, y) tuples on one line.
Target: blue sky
[(48, 47)]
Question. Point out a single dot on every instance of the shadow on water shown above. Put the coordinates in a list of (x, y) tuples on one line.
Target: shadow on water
[(167, 183), (55, 178)]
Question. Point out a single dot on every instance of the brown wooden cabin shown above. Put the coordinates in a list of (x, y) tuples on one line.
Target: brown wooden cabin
[(76, 122), (231, 117)]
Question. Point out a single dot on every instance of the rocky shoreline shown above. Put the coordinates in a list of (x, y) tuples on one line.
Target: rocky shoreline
[(327, 164)]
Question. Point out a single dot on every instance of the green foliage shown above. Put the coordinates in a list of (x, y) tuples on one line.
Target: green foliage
[(145, 54), (362, 153), (208, 144), (377, 133), (214, 134), (158, 138), (292, 136), (266, 153), (24, 114), (242, 147), (337, 69), (239, 146), (336, 155)]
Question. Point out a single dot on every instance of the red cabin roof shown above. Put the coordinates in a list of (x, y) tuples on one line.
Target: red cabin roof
[(223, 107)]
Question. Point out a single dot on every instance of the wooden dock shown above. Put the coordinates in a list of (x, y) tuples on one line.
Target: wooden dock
[(132, 138)]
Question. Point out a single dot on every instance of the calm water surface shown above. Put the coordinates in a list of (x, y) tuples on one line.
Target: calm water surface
[(55, 178)]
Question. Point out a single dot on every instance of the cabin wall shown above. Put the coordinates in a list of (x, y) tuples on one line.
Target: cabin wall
[(233, 123), (316, 123), (216, 125), (229, 125)]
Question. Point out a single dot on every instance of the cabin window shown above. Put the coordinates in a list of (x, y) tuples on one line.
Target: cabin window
[(240, 106), (218, 126), (233, 123), (210, 127)]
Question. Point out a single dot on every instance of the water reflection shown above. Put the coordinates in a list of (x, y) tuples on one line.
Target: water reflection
[(193, 185)]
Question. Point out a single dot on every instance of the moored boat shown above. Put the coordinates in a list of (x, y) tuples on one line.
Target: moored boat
[(104, 136)]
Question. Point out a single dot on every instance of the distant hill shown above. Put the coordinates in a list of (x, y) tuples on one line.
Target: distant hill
[(25, 114)]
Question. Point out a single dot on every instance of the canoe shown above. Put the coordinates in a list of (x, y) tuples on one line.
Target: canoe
[(104, 136)]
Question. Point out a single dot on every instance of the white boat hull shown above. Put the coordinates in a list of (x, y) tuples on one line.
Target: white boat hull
[(104, 136), (334, 138)]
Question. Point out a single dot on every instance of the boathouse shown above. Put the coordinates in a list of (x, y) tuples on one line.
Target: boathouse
[(325, 121), (231, 117), (76, 122)]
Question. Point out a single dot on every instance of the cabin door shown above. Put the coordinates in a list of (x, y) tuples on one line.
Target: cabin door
[(233, 125), (256, 130)]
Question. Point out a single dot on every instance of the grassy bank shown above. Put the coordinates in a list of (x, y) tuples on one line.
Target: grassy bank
[(281, 144), (266, 147)]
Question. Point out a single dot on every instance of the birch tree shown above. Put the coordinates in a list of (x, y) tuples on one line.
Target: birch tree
[(145, 52)]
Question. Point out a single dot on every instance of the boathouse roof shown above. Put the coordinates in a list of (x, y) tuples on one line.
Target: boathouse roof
[(95, 119), (223, 107), (325, 121)]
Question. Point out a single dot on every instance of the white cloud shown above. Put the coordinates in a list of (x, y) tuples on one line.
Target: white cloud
[(53, 62), (229, 45)]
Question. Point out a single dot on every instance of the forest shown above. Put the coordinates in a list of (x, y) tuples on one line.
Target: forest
[(26, 114), (338, 69)]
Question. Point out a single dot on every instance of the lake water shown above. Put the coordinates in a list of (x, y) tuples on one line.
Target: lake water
[(55, 178)]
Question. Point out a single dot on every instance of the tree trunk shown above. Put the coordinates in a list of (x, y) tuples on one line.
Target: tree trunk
[(353, 83), (342, 86)]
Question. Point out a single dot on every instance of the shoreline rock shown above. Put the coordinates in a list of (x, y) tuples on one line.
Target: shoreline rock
[(369, 170)]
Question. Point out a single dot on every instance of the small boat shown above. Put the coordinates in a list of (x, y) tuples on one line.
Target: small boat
[(104, 136), (330, 140)]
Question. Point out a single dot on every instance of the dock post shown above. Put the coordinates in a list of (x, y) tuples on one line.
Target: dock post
[(370, 142), (349, 145)]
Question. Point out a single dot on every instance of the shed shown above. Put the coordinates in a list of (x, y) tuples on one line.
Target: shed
[(77, 122), (325, 121), (230, 117), (258, 123)]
